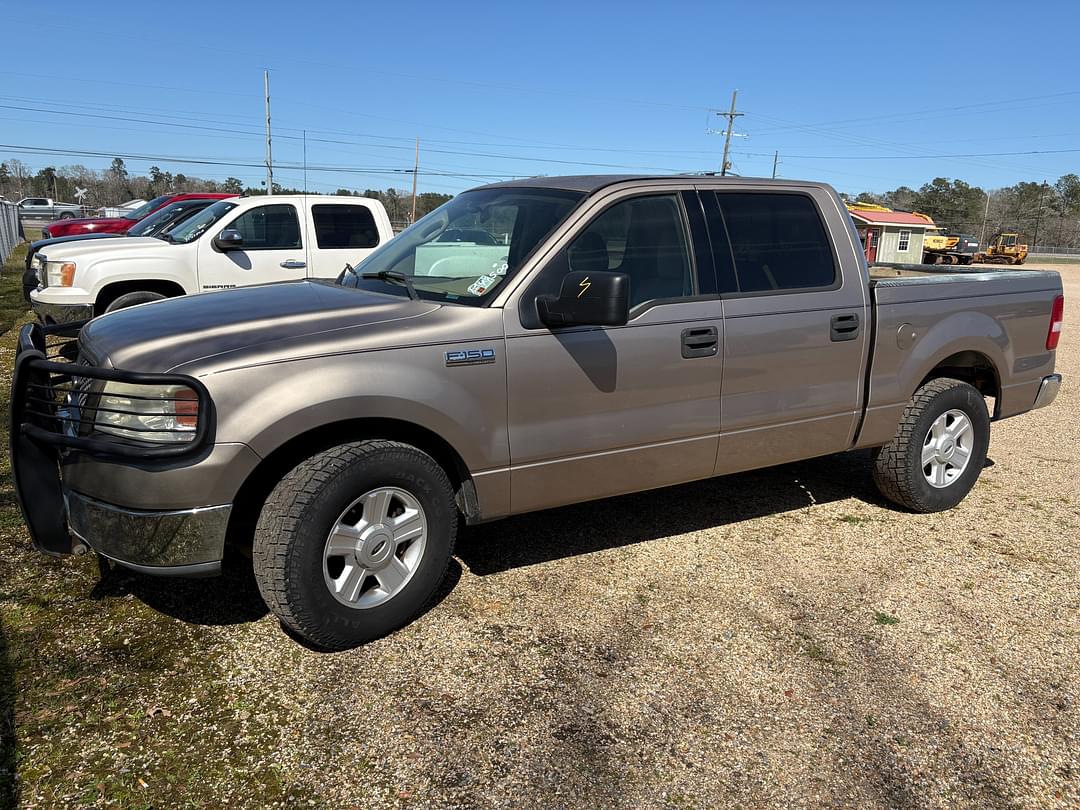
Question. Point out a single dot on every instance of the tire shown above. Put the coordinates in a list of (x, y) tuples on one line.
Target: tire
[(67, 215), (899, 472), (132, 298), (300, 584)]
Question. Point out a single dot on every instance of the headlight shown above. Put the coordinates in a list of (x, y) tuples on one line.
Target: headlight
[(60, 274), (149, 413)]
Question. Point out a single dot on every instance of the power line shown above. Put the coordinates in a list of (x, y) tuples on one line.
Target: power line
[(922, 157)]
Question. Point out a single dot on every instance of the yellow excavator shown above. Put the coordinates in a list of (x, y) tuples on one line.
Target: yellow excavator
[(1004, 248)]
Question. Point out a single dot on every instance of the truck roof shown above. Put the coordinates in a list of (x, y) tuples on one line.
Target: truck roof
[(589, 183)]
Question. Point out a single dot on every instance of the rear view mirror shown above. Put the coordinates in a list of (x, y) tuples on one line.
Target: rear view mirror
[(229, 239), (587, 299)]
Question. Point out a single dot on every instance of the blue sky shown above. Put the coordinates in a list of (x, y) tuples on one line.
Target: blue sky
[(853, 94)]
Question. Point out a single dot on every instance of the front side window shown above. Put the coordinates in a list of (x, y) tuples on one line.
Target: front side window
[(464, 250), (269, 227), (644, 237), (904, 241), (778, 242), (344, 226)]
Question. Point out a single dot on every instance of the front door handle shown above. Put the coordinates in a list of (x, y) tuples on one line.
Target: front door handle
[(293, 264), (844, 327), (701, 342)]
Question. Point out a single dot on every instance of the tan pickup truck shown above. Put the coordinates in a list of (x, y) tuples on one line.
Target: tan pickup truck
[(527, 345)]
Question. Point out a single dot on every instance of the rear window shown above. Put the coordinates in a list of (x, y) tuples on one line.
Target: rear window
[(344, 226), (778, 242)]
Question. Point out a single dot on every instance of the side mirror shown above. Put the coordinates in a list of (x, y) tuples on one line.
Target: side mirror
[(228, 239), (587, 299)]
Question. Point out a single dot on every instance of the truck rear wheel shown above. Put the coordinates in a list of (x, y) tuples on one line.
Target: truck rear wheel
[(352, 543), (939, 448)]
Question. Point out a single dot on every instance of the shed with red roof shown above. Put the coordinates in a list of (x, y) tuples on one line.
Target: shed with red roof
[(890, 236)]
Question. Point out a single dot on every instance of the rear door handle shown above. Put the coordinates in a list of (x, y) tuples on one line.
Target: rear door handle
[(700, 342), (293, 264), (844, 327)]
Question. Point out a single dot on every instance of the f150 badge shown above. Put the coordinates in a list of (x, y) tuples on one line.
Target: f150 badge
[(470, 357)]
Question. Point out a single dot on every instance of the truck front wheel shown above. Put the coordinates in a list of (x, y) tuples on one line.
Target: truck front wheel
[(939, 448), (132, 298), (352, 543)]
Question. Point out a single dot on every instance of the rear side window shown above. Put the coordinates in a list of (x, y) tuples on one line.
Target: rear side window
[(778, 242), (344, 226)]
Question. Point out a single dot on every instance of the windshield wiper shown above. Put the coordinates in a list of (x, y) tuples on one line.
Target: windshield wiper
[(395, 276)]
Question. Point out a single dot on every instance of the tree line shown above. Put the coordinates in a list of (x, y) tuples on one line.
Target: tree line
[(1044, 213), (117, 184)]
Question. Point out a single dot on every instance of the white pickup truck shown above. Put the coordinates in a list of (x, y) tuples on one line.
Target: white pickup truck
[(232, 243)]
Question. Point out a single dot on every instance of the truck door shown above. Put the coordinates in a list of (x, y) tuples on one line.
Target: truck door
[(339, 233), (795, 327), (272, 248), (596, 411)]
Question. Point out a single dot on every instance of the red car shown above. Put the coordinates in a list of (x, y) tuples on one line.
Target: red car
[(71, 227)]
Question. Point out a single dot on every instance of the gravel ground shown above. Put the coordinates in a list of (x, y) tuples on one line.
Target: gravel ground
[(778, 638)]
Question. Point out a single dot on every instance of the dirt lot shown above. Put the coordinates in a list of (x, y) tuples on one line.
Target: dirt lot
[(781, 638)]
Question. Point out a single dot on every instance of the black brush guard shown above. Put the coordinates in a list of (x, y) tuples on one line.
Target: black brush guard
[(50, 392)]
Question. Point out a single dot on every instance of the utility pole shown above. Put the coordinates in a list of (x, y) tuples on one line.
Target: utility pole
[(305, 161), (731, 116), (986, 213), (269, 152), (415, 171), (1038, 216), (775, 160)]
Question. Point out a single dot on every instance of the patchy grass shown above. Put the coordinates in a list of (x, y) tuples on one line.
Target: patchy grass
[(855, 520), (103, 699), (884, 618)]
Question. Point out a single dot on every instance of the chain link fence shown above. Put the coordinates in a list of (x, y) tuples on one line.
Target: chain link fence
[(10, 229), (1049, 252)]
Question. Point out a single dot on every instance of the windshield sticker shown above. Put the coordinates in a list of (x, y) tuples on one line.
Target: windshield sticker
[(483, 284)]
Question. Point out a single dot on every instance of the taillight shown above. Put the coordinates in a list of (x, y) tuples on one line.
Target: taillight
[(1056, 314)]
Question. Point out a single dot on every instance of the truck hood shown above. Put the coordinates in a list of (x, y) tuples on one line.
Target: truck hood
[(68, 227), (199, 334), (89, 250)]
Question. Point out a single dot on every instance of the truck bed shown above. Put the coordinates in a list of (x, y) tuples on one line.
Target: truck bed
[(919, 310)]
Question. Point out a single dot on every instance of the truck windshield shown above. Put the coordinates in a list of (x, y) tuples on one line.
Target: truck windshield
[(463, 250), (146, 207), (192, 229)]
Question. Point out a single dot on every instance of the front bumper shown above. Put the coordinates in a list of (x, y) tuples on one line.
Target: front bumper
[(46, 435), (61, 313), (183, 542)]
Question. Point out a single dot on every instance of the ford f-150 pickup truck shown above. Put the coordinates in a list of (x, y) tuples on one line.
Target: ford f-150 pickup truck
[(232, 243), (608, 335)]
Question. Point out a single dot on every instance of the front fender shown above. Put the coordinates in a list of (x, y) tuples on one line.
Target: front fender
[(101, 273), (269, 405)]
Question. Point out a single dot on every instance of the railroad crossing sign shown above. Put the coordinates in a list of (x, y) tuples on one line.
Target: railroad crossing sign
[(80, 193)]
